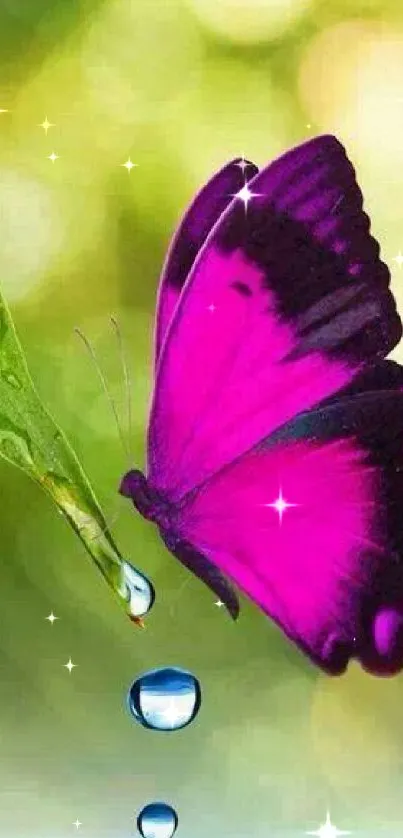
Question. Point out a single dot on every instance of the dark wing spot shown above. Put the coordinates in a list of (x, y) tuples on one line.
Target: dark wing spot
[(242, 288)]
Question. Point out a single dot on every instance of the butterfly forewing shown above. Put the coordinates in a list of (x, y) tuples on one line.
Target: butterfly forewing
[(191, 234), (286, 303)]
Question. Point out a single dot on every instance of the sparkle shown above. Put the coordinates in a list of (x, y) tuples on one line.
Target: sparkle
[(172, 714), (52, 617), (309, 125), (243, 164), (280, 505), (328, 830), (212, 307), (219, 603), (77, 824), (245, 195), (4, 110), (70, 665), (46, 125), (129, 165), (53, 157), (398, 259)]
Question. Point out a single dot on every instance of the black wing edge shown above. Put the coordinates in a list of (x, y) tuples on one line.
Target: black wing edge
[(205, 570)]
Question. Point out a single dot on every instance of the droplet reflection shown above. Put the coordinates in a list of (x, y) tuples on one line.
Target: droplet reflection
[(157, 820), (165, 699), (137, 590)]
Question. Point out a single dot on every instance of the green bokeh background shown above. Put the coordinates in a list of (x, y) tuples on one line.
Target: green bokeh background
[(180, 87)]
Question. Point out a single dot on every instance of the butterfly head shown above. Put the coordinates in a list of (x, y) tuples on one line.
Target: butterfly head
[(134, 485), (148, 501)]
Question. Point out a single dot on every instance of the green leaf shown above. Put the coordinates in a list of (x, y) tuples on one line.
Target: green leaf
[(32, 441)]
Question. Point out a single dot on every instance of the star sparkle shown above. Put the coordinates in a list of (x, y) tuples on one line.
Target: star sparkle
[(280, 505), (243, 164), (398, 259), (70, 665), (52, 617), (53, 157), (245, 195), (219, 603), (129, 165), (212, 307), (172, 714), (46, 125), (77, 824), (328, 830)]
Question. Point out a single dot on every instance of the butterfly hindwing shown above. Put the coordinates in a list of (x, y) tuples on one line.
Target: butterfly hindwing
[(309, 525), (206, 571), (191, 234), (286, 303)]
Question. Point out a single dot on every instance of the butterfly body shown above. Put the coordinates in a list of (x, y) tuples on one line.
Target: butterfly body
[(150, 503), (275, 438)]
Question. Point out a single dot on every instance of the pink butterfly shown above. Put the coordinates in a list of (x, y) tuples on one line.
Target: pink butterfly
[(275, 442)]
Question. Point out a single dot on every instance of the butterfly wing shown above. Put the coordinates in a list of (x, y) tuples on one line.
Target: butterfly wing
[(286, 303), (205, 570), (387, 375), (309, 525), (384, 375), (192, 232)]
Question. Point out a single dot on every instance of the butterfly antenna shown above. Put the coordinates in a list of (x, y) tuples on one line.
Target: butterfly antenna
[(126, 374), (179, 593), (105, 388)]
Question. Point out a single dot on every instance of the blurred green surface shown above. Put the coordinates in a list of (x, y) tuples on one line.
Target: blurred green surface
[(180, 87)]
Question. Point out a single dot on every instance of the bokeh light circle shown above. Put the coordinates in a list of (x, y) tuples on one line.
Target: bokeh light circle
[(31, 233), (351, 82), (132, 66), (248, 21), (351, 85), (357, 731)]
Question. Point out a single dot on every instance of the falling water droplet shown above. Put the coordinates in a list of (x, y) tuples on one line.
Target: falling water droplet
[(137, 590), (165, 699), (157, 820)]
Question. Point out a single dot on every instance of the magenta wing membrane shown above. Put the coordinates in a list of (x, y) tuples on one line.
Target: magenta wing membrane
[(191, 234), (286, 304), (155, 508), (384, 375), (328, 568)]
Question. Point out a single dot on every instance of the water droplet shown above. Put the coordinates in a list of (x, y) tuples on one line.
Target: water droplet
[(157, 820), (165, 699), (77, 504), (137, 590), (11, 379), (15, 443), (57, 438)]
